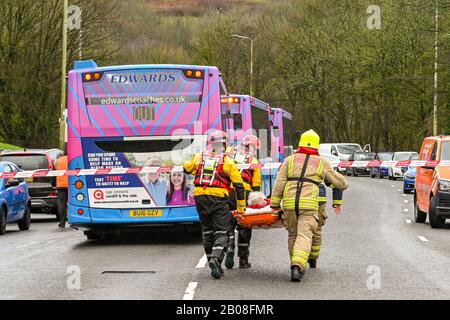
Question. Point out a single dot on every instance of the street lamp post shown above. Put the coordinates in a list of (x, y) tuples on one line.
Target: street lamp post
[(436, 57), (251, 59), (62, 120)]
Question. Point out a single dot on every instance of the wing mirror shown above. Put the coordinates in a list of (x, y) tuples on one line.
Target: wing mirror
[(12, 183)]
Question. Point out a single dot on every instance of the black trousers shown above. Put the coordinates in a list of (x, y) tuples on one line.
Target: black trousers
[(62, 206), (216, 218), (244, 234)]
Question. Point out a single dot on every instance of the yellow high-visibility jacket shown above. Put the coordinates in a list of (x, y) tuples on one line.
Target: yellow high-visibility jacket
[(285, 189), (229, 168), (256, 174)]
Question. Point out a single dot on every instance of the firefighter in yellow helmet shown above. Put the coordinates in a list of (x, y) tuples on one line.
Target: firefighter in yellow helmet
[(214, 173), (245, 153), (296, 192)]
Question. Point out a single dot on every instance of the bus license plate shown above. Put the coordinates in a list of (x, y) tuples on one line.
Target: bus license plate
[(145, 213)]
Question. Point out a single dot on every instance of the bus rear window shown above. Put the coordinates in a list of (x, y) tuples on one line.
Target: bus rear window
[(27, 161)]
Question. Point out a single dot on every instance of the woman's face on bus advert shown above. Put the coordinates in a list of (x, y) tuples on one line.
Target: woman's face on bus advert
[(177, 179)]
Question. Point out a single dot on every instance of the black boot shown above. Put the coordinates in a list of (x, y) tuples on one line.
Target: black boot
[(296, 274), (229, 260), (243, 263), (312, 263), (216, 269)]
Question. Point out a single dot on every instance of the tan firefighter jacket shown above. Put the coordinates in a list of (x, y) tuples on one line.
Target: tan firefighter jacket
[(317, 170)]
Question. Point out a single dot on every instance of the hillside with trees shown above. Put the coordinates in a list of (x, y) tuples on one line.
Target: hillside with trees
[(316, 59)]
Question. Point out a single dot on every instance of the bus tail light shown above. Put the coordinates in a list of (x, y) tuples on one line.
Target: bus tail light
[(92, 76), (53, 194), (80, 197), (79, 184), (230, 100), (193, 74), (80, 212)]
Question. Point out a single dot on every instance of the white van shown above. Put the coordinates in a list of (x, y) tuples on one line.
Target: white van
[(336, 152)]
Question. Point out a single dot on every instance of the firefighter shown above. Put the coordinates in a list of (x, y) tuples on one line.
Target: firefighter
[(214, 173), (245, 153), (296, 192), (317, 236)]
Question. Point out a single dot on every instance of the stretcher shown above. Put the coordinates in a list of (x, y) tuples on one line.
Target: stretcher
[(264, 218)]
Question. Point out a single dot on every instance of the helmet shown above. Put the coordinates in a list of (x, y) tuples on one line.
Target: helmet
[(251, 139), (217, 136), (310, 139)]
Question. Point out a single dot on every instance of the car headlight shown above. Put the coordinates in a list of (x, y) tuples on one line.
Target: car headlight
[(409, 177), (444, 185)]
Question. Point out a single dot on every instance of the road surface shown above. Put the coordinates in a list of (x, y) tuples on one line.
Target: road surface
[(374, 250)]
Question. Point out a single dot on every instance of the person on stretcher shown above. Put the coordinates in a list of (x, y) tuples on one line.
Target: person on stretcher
[(258, 202)]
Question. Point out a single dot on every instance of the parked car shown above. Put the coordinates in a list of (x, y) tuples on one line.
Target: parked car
[(432, 189), (409, 177), (334, 152), (43, 196), (381, 172), (395, 173), (14, 200), (360, 156)]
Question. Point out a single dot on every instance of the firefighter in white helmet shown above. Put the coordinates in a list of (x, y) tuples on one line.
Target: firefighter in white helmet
[(214, 173), (245, 153)]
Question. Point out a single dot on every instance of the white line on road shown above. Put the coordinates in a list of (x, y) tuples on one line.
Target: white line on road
[(422, 238), (392, 186), (190, 291), (408, 221), (406, 201), (202, 262), (406, 210), (399, 190)]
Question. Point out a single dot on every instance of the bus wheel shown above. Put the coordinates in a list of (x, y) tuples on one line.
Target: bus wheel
[(436, 221)]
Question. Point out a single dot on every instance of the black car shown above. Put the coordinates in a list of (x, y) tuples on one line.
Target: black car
[(43, 196), (360, 156)]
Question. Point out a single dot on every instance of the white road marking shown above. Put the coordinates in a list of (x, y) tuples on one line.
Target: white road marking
[(404, 195), (409, 221), (392, 186), (190, 291), (400, 190), (406, 210), (202, 262), (406, 201), (422, 238)]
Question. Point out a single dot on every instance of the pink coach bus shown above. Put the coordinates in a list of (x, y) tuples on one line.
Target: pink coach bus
[(243, 115), (284, 140), (136, 116)]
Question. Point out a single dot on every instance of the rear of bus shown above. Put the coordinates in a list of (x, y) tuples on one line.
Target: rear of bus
[(283, 134), (243, 115), (132, 117)]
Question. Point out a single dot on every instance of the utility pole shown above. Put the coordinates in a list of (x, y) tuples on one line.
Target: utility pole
[(436, 56), (62, 118), (251, 59)]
